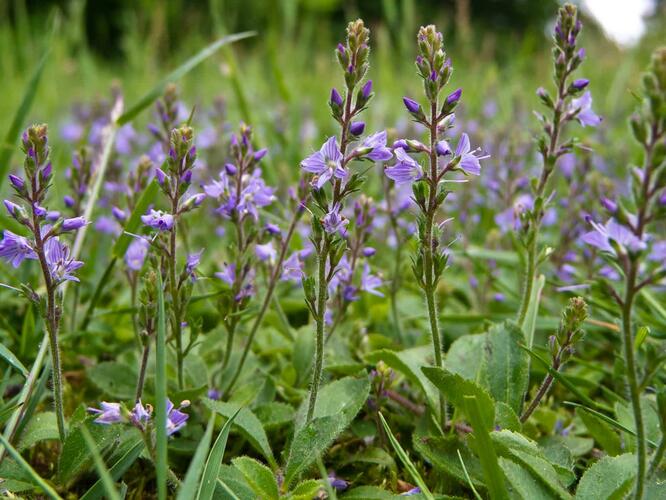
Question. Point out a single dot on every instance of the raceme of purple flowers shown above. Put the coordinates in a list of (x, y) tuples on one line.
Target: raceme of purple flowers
[(140, 416)]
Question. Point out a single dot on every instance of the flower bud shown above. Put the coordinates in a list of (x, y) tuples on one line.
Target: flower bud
[(580, 84), (68, 200), (411, 105), (230, 168), (260, 154), (16, 182), (160, 175), (357, 128), (336, 98), (73, 224), (609, 205)]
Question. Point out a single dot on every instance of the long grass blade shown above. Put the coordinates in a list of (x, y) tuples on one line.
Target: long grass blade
[(406, 461), (36, 478), (188, 489), (214, 462), (118, 469), (469, 479), (161, 462), (104, 475), (9, 357), (191, 63)]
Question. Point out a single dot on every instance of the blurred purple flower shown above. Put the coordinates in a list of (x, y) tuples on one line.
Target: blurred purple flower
[(14, 248), (157, 219), (107, 413), (136, 253)]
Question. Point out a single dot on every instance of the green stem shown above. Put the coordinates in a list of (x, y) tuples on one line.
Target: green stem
[(173, 290), (142, 371), (319, 346), (658, 456), (57, 367), (632, 377), (530, 275)]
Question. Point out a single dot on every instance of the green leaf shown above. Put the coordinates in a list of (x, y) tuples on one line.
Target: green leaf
[(467, 478), (117, 380), (105, 476), (258, 476), (533, 310), (190, 485), (463, 355), (214, 462), (602, 432), (182, 70), (484, 448), (36, 478), (522, 482), (406, 461), (505, 366), (527, 453), (339, 397), (443, 454), (455, 389), (305, 490), (247, 424), (312, 440), (409, 363), (231, 484), (161, 452), (41, 427), (13, 361), (274, 414), (117, 470), (369, 493), (506, 418), (132, 225), (610, 477)]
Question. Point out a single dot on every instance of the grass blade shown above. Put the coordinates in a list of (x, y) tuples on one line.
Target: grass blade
[(212, 468), (469, 480), (404, 458), (117, 470), (533, 310), (48, 490), (485, 449), (104, 475), (9, 357), (188, 488), (187, 66), (161, 394)]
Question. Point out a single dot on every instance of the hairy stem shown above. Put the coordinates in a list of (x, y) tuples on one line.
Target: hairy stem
[(658, 456)]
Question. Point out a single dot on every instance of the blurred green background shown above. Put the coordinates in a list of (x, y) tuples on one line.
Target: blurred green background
[(280, 79)]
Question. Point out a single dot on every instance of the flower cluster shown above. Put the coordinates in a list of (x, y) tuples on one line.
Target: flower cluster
[(140, 416)]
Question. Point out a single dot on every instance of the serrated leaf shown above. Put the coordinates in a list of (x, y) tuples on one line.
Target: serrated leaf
[(506, 418), (463, 355), (505, 367), (274, 414), (409, 363), (247, 424), (522, 482), (305, 490), (258, 476), (231, 485), (610, 477), (312, 440), (455, 388), (602, 433)]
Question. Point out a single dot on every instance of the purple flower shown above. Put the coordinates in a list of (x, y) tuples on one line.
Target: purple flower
[(217, 188), (272, 229), (140, 415), (582, 106), (14, 248), (411, 105), (119, 214), (192, 263), (108, 413), (60, 265), (107, 225), (256, 194), (414, 491), (228, 274), (176, 419), (334, 221), (71, 132), (370, 282), (292, 268), (609, 204), (469, 162), (336, 98), (73, 224), (337, 483), (214, 394), (406, 169), (326, 163), (157, 219), (603, 236), (369, 251), (658, 252), (442, 148), (136, 253), (265, 252), (377, 143)]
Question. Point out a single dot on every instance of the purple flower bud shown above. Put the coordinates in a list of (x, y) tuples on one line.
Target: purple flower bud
[(260, 154), (662, 198), (336, 98), (341, 48), (369, 251), (350, 68), (433, 75), (40, 211), (69, 201), (581, 54), (195, 200), (357, 128), (160, 175), (52, 215), (172, 154), (186, 177), (609, 204), (411, 105), (47, 170), (73, 224), (401, 144), (11, 207), (541, 92), (16, 181), (119, 214), (192, 152), (580, 83), (230, 168), (454, 97), (367, 89), (154, 129), (272, 229), (214, 394), (443, 148)]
